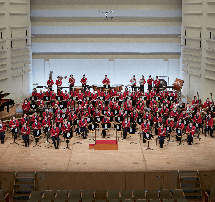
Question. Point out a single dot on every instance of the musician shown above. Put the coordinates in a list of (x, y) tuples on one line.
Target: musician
[(70, 103), (165, 112), (149, 81), (60, 92), (100, 93), (109, 113), (195, 101), (174, 94), (107, 96), (140, 101), (169, 125), (50, 83), (154, 109), (161, 96), (209, 125), (72, 82), (83, 126), (113, 93), (65, 96), (40, 103), (37, 128), (59, 120), (147, 116), (125, 94), (120, 97), (133, 98), (157, 83), (125, 126), (190, 131), (96, 113), (145, 129), (80, 96), (197, 120), (79, 109), (73, 93), (142, 82), (14, 124), (174, 114), (58, 111), (46, 124), (34, 93), (173, 105), (122, 114), (65, 128), (153, 102), (166, 93), (25, 120), (94, 96), (47, 113), (140, 109), (53, 96), (162, 134), (48, 92), (58, 83), (2, 131), (87, 93), (133, 82), (26, 131), (40, 95), (157, 121), (183, 115), (84, 83), (148, 96), (129, 108), (91, 109), (207, 104), (26, 106), (134, 115), (55, 135), (72, 116), (179, 128), (128, 102), (152, 92), (105, 120), (98, 103), (112, 103), (106, 81), (84, 103), (35, 117), (85, 113)]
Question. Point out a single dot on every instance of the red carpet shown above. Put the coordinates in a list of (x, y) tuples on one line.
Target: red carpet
[(106, 142), (104, 145)]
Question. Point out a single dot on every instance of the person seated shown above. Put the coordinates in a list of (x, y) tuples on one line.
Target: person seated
[(166, 93), (48, 92), (58, 111), (84, 103), (208, 103), (195, 102), (91, 109), (103, 107), (85, 113), (35, 117), (109, 113), (153, 92), (94, 96), (40, 103), (96, 113), (116, 106), (174, 94), (73, 93), (100, 93), (87, 93), (68, 110), (72, 116), (107, 96), (183, 115), (98, 103), (165, 102), (197, 120), (40, 95), (65, 96), (79, 109), (129, 108), (105, 120), (174, 114), (26, 131), (70, 103), (134, 115), (152, 103), (34, 93), (128, 102), (147, 116), (122, 114), (60, 92), (80, 96), (157, 122), (145, 129), (47, 113), (140, 101), (164, 112), (53, 96), (58, 120), (154, 109), (26, 106), (112, 103), (25, 120), (113, 92), (120, 96)]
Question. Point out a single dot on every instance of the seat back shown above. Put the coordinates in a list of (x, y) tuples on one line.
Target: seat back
[(126, 194), (49, 195), (178, 194), (36, 195), (152, 194), (101, 195), (75, 194), (165, 194), (113, 195), (139, 194)]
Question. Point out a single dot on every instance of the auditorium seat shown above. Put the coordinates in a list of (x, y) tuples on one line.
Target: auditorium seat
[(126, 194), (165, 194), (49, 195), (87, 196), (152, 194), (2, 199), (74, 195), (113, 194), (168, 200), (62, 196), (35, 196), (154, 200), (100, 195), (182, 200), (178, 194), (139, 195)]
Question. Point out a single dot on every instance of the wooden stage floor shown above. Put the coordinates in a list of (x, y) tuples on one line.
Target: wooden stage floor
[(131, 156)]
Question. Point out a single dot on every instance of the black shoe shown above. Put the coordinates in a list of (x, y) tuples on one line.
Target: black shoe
[(56, 148)]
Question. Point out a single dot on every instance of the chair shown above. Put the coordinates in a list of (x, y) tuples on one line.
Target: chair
[(178, 194), (113, 195), (126, 194), (35, 196), (197, 132), (88, 196), (152, 194), (182, 200), (2, 197), (139, 194), (62, 196), (165, 194), (74, 195), (168, 200), (100, 195), (48, 195), (154, 200)]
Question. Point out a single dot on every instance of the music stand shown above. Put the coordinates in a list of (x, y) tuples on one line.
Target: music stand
[(46, 98), (59, 98), (33, 106), (37, 134), (148, 139), (33, 98), (118, 126), (67, 137), (14, 135)]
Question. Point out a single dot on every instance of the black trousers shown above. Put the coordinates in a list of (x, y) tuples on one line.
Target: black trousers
[(83, 88), (125, 130), (190, 139), (84, 132), (144, 137), (178, 135), (54, 140), (104, 133), (162, 141), (142, 88), (147, 103), (149, 87), (26, 140), (207, 129), (50, 87), (70, 88), (2, 137)]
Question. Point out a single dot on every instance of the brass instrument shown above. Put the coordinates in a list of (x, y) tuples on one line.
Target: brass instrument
[(133, 81), (141, 81)]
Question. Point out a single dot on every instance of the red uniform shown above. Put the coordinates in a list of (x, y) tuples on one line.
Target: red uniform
[(165, 112), (166, 93), (183, 115), (113, 93), (122, 114), (73, 93), (90, 109), (26, 107), (98, 103), (59, 120), (34, 117), (83, 123), (156, 82), (179, 125), (149, 81), (125, 94), (130, 108), (134, 84), (68, 111), (55, 103), (46, 122), (207, 104), (120, 96), (40, 96), (157, 119), (65, 128), (145, 127), (60, 93), (174, 95), (53, 96), (100, 93), (58, 83), (191, 129), (80, 96), (36, 126), (109, 114), (195, 102), (105, 120), (140, 108), (58, 111), (126, 125), (48, 93), (116, 107), (79, 109), (152, 93), (25, 120), (25, 131), (209, 122), (65, 96), (34, 93), (162, 132), (84, 81), (148, 96), (72, 117), (40, 103), (107, 96), (70, 103), (84, 103), (134, 115), (106, 81), (154, 109), (174, 114), (50, 83), (197, 119), (85, 114), (169, 123), (54, 131), (104, 108), (2, 128), (144, 81), (94, 96), (71, 81), (152, 103), (87, 93), (16, 123), (96, 114), (147, 117)]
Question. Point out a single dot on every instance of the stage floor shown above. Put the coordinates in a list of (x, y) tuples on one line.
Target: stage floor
[(131, 156)]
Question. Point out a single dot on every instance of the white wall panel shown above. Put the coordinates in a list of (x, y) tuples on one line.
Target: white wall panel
[(106, 47), (106, 30)]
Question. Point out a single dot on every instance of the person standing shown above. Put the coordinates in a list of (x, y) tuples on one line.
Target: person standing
[(2, 131), (26, 131), (83, 126), (142, 82), (133, 82), (162, 134), (55, 135), (149, 81), (84, 83), (125, 125), (50, 83), (72, 82)]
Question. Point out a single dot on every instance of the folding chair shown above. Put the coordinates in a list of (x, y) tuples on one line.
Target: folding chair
[(152, 194), (178, 194), (126, 194), (165, 194), (139, 195), (62, 196), (35, 196)]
